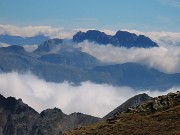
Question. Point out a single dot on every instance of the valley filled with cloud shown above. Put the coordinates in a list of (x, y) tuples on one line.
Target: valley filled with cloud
[(88, 97)]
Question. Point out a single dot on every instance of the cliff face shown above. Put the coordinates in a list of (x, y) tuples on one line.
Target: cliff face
[(17, 118), (158, 116)]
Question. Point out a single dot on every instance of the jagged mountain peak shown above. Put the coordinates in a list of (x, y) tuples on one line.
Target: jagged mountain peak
[(92, 36), (48, 45), (120, 39), (51, 112)]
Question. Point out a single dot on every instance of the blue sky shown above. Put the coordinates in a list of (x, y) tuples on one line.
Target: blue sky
[(144, 15)]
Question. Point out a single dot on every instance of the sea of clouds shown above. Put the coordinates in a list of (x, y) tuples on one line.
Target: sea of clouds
[(89, 98)]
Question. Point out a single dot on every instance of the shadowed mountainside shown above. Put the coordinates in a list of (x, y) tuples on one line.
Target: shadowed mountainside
[(120, 39), (17, 118), (72, 65)]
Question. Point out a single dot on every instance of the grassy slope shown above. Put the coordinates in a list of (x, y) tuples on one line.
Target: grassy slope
[(163, 122)]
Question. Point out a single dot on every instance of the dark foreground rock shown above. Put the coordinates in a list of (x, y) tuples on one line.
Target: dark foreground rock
[(17, 118)]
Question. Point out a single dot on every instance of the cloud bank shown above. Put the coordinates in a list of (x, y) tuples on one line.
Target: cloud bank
[(88, 98), (165, 58), (30, 31), (30, 48), (4, 45)]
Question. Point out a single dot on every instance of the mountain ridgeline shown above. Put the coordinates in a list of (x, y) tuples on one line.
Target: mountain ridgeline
[(120, 39), (17, 118), (17, 40), (159, 115)]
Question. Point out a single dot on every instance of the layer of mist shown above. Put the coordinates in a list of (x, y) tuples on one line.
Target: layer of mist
[(88, 98)]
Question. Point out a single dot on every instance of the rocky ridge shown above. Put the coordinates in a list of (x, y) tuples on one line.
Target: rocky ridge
[(17, 118), (132, 102), (120, 39)]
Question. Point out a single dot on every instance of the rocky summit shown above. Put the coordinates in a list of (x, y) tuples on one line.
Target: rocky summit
[(120, 39), (158, 116)]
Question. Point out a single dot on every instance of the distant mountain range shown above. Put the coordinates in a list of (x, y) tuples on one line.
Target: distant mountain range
[(17, 40), (120, 39), (57, 61)]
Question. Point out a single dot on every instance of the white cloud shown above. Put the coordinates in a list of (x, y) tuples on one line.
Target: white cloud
[(4, 45), (30, 48), (88, 98), (165, 58), (29, 31)]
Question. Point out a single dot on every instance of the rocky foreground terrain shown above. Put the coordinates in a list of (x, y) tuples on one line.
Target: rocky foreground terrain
[(140, 114), (17, 118), (158, 116)]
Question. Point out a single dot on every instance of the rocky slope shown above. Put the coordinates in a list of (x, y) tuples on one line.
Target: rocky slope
[(17, 118), (158, 116)]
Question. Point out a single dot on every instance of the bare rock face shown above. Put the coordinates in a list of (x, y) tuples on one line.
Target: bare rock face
[(132, 102), (17, 118)]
